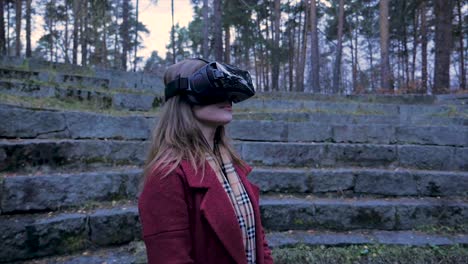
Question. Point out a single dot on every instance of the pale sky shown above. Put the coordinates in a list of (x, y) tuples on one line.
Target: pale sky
[(157, 18)]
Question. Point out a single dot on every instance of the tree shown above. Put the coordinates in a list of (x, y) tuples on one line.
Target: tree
[(461, 46), (337, 67), (443, 44), (18, 9), (28, 29), (124, 33), (218, 30), (385, 74), (423, 46), (3, 48), (206, 24), (276, 42), (314, 46), (76, 11)]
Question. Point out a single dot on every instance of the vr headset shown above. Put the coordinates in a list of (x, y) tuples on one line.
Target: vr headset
[(213, 83)]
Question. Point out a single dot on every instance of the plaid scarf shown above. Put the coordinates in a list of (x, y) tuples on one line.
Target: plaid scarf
[(240, 200)]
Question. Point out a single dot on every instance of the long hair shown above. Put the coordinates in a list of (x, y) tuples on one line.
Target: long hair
[(177, 135)]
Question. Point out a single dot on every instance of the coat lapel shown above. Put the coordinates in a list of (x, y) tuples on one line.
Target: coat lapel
[(217, 209)]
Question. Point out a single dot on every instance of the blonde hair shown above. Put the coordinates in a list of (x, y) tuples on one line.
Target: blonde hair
[(177, 135)]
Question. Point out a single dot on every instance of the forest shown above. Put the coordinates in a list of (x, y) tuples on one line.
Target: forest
[(314, 46)]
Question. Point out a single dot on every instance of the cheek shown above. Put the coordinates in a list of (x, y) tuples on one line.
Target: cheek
[(213, 115)]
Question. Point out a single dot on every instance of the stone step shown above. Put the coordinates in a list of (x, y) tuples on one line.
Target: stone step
[(348, 133), (86, 76), (359, 98), (405, 111), (31, 236), (280, 213), (361, 182), (323, 155), (54, 78), (366, 237), (135, 252), (101, 99), (56, 191), (27, 154), (32, 123)]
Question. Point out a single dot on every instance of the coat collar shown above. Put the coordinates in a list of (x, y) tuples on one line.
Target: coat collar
[(217, 207)]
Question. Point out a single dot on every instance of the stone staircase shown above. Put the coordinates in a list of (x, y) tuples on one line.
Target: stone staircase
[(334, 171)]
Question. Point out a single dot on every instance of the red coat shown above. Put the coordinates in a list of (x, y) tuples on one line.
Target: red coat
[(188, 218)]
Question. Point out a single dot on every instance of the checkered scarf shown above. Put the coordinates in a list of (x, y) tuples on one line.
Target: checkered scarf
[(240, 200)]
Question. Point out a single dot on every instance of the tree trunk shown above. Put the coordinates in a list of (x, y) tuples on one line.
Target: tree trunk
[(18, 19), (206, 25), (423, 47), (275, 52), (76, 25), (84, 33), (339, 46), (385, 74), (136, 38), (227, 45), (443, 44), (65, 50), (8, 29), (462, 55), (125, 36), (415, 45), (28, 29), (315, 54), (218, 31), (2, 28)]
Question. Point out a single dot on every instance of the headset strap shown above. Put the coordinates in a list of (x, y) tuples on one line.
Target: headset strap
[(176, 86)]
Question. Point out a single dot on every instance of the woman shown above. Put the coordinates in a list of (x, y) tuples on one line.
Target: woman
[(197, 205)]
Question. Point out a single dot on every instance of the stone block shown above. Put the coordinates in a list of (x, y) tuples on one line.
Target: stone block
[(284, 181), (258, 130), (89, 125), (433, 135), (24, 238), (307, 132), (283, 154), (330, 180), (133, 102), (51, 192), (366, 155), (427, 157), (25, 123), (375, 134), (114, 226), (386, 183)]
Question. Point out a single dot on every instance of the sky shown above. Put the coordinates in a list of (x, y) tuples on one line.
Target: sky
[(157, 18)]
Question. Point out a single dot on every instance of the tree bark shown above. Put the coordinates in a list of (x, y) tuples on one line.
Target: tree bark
[(28, 29), (206, 25), (460, 41), (443, 44), (385, 74), (18, 19), (136, 38), (84, 33), (125, 37), (315, 54), (339, 47), (76, 26), (227, 45), (2, 28), (423, 46), (275, 51), (218, 31)]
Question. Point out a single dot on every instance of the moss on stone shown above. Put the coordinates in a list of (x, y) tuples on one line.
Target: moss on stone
[(370, 254)]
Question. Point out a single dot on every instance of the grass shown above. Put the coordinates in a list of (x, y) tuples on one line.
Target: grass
[(370, 254)]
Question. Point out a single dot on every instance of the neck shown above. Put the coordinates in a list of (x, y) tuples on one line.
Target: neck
[(209, 134)]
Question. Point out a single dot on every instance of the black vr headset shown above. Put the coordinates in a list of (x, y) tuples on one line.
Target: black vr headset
[(213, 83)]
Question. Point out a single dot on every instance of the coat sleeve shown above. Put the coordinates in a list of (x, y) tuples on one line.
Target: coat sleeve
[(164, 217)]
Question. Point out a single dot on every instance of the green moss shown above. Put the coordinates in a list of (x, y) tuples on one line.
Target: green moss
[(443, 230), (75, 243), (370, 254)]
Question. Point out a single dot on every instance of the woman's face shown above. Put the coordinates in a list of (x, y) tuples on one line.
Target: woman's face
[(213, 115)]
